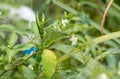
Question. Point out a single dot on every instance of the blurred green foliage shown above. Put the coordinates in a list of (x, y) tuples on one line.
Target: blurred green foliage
[(69, 28)]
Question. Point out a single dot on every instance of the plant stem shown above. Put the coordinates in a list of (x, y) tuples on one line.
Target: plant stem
[(3, 73), (41, 74), (104, 15), (6, 70)]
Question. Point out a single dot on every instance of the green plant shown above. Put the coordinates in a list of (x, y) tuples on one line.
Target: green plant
[(69, 47)]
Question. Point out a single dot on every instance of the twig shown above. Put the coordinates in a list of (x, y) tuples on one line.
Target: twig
[(104, 15), (34, 53), (6, 70), (41, 75), (3, 72)]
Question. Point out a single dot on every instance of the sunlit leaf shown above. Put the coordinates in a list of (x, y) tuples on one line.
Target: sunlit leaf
[(49, 62), (107, 37)]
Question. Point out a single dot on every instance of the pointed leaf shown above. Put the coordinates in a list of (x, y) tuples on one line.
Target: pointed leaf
[(107, 37), (35, 29), (67, 49), (10, 54), (39, 25), (80, 56), (23, 46), (49, 62), (12, 39), (36, 32), (51, 36), (7, 27)]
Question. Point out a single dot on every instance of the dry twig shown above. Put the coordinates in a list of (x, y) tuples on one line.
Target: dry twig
[(104, 15)]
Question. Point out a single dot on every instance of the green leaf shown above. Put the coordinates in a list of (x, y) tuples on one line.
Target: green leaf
[(48, 1), (49, 62), (81, 56), (27, 73), (36, 32), (12, 39), (23, 46), (111, 61), (22, 32), (84, 18), (107, 37), (64, 6), (51, 36), (76, 18), (2, 47), (39, 25), (2, 34), (67, 49), (92, 69), (106, 53), (32, 61), (35, 29), (7, 27), (97, 26), (43, 18), (10, 54)]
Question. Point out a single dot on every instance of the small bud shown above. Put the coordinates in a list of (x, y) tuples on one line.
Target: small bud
[(103, 76), (64, 22), (0, 13), (74, 40), (30, 67), (118, 72)]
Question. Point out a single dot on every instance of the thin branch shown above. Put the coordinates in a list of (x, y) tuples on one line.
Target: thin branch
[(104, 16), (41, 75), (6, 70), (34, 53), (3, 72)]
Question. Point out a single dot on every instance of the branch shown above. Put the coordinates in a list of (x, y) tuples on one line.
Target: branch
[(104, 15), (3, 72), (41, 75), (6, 70)]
